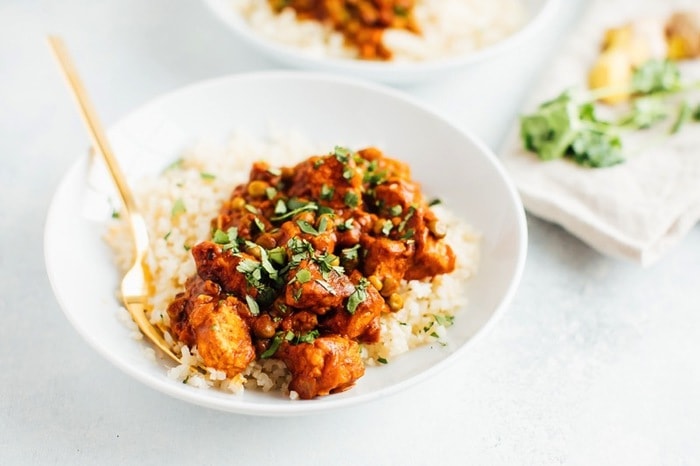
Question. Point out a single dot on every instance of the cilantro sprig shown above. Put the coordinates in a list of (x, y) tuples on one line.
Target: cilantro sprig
[(568, 125)]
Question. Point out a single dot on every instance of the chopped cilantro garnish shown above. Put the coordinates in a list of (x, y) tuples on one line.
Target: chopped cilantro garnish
[(252, 305), (323, 224), (346, 225), (341, 153), (303, 276), (178, 208), (358, 296), (386, 228), (280, 207), (402, 225), (270, 192), (274, 346), (308, 337), (228, 240), (327, 192), (176, 164), (278, 255), (259, 223), (445, 321), (350, 254), (307, 228), (295, 207), (381, 360), (351, 199)]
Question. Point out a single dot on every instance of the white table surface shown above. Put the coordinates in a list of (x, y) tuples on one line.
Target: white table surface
[(595, 361)]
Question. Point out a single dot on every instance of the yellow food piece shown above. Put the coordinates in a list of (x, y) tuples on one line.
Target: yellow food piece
[(629, 39), (613, 69), (677, 48), (617, 37), (683, 35)]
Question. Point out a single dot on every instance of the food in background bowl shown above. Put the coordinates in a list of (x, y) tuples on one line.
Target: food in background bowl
[(396, 30), (300, 275)]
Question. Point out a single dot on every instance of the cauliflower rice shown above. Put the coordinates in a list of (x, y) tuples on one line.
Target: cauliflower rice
[(196, 185), (448, 28)]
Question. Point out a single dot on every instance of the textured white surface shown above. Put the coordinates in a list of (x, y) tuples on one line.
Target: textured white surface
[(595, 362)]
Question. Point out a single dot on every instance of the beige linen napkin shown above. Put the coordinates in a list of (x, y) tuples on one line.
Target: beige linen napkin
[(636, 210)]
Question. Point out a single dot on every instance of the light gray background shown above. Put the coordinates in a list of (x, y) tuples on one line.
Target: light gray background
[(595, 362)]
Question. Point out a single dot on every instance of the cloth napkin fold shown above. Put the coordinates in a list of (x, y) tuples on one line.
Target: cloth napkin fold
[(636, 210)]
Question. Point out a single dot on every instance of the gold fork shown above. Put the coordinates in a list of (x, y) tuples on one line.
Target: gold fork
[(136, 282)]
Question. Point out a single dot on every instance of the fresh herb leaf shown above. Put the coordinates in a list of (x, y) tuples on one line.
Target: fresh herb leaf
[(270, 192), (564, 126), (381, 360), (259, 223), (341, 153), (684, 115), (350, 254), (220, 237), (175, 165), (387, 227), (434, 202), (274, 346), (303, 276), (307, 228), (207, 176), (395, 211), (445, 321), (178, 208), (327, 192), (308, 337), (346, 225), (656, 76), (278, 255), (404, 222), (293, 209), (252, 305), (358, 296), (280, 207), (351, 199), (646, 111)]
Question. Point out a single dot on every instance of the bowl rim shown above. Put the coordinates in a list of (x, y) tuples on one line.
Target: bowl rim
[(326, 403), (390, 72)]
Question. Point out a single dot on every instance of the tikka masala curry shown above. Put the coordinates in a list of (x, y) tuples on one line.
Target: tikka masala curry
[(302, 263), (362, 22)]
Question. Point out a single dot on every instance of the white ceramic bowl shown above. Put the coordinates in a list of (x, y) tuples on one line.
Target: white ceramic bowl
[(448, 162), (538, 13)]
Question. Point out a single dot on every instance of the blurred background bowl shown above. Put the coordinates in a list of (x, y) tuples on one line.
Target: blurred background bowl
[(537, 14)]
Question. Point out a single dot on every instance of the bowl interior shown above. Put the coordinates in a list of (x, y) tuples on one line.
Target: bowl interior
[(537, 13), (450, 165)]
